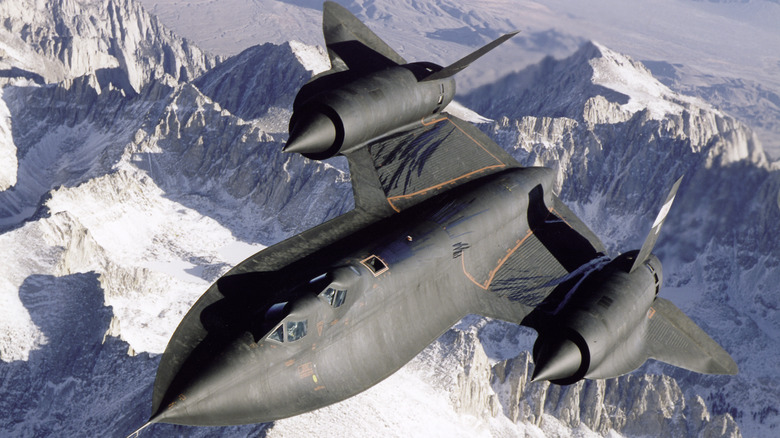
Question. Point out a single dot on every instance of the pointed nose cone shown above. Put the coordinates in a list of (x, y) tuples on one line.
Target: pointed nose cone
[(189, 402), (314, 133), (215, 388), (558, 359)]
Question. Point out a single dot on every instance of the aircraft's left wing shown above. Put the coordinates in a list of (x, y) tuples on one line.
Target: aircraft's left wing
[(400, 170)]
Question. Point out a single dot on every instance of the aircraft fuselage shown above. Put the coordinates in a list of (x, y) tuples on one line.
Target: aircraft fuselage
[(407, 280)]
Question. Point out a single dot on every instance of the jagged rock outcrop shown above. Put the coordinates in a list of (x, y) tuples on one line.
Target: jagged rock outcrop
[(209, 156), (460, 366), (95, 56), (242, 86), (631, 405), (114, 39)]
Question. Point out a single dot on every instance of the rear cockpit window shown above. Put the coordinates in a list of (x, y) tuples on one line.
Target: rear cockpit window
[(334, 297), (375, 265), (296, 330), (339, 298)]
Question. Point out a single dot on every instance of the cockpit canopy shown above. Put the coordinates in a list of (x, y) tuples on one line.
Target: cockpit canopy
[(288, 319), (295, 330), (334, 297)]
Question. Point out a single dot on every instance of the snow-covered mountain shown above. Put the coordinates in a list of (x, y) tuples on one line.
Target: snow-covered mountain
[(129, 196), (617, 141), (712, 48)]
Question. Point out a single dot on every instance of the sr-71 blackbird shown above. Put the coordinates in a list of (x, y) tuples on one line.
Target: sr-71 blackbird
[(445, 224)]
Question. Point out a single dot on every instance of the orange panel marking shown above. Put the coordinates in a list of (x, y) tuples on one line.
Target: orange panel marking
[(552, 210), (320, 326), (318, 388), (501, 262), (396, 209), (305, 370), (289, 362), (432, 122), (650, 313)]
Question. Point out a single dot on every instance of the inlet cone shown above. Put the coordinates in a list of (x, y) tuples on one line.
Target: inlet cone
[(312, 134), (558, 358)]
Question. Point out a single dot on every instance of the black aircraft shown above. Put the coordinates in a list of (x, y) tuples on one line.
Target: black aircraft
[(445, 224)]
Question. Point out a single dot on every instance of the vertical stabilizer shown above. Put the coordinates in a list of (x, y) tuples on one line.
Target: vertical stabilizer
[(464, 62), (647, 247), (352, 45)]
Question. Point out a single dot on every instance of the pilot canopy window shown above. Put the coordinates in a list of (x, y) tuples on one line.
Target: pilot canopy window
[(295, 330), (334, 297)]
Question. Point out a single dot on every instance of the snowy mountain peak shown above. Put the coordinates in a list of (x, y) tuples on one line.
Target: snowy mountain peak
[(313, 58), (622, 74), (56, 40), (597, 86), (621, 86)]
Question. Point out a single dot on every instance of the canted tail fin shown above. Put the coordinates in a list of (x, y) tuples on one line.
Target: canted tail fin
[(352, 45), (647, 247), (674, 338), (464, 62)]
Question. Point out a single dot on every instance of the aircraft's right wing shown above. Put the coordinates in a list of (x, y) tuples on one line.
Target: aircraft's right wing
[(555, 254)]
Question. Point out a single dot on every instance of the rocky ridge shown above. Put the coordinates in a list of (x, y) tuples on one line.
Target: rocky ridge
[(69, 43), (719, 248), (630, 405), (117, 40)]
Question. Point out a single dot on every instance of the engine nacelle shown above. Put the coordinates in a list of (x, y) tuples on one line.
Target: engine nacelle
[(341, 119), (598, 331)]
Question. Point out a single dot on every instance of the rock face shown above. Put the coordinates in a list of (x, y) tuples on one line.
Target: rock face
[(116, 40), (631, 405), (617, 151), (241, 84), (136, 171)]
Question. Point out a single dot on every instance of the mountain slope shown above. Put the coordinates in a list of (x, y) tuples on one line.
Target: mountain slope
[(714, 48), (616, 152), (116, 40)]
